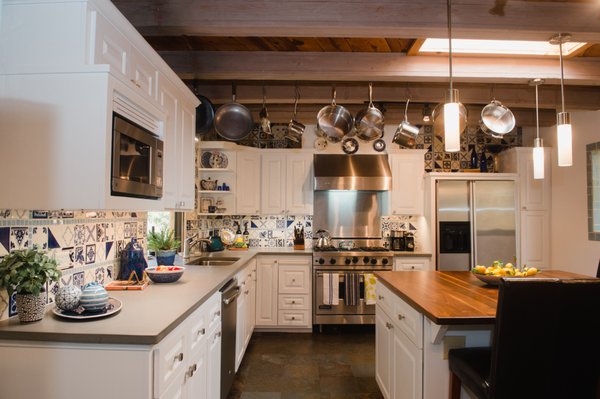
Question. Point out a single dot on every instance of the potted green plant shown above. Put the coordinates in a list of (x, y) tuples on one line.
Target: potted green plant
[(27, 271), (164, 244)]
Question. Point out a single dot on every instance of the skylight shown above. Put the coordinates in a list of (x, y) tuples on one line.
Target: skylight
[(498, 47)]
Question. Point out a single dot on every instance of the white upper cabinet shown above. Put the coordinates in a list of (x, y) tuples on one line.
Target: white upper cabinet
[(248, 183), (534, 194), (63, 65), (407, 182), (286, 184)]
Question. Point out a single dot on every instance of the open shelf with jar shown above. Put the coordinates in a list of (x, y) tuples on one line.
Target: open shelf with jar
[(216, 181)]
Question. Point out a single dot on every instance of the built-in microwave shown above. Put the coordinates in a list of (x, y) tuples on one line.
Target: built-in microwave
[(137, 160)]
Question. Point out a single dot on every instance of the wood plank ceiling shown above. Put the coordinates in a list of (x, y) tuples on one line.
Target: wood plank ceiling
[(313, 44)]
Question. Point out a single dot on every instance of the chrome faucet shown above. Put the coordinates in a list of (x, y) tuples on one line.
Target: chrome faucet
[(190, 242)]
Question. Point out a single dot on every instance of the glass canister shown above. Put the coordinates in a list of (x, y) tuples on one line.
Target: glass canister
[(132, 260)]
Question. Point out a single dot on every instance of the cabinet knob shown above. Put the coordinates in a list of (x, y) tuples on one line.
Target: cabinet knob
[(246, 292), (179, 357), (293, 302), (388, 325), (293, 317), (401, 317), (380, 297)]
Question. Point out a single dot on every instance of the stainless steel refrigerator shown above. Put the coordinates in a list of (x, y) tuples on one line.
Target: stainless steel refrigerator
[(475, 223)]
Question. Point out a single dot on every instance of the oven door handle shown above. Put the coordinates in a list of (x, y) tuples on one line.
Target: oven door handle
[(361, 273)]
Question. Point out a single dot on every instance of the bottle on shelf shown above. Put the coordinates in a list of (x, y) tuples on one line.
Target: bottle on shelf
[(246, 234), (474, 161), (483, 162)]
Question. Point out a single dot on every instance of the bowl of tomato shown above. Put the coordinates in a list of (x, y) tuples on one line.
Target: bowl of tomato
[(165, 274)]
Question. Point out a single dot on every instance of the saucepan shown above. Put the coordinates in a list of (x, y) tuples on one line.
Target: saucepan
[(233, 121), (334, 121), (369, 120), (496, 120), (205, 114), (295, 129), (406, 133)]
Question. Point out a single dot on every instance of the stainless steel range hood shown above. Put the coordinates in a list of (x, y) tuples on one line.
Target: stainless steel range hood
[(352, 172)]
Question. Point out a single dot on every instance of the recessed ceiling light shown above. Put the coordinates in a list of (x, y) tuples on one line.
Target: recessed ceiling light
[(498, 47)]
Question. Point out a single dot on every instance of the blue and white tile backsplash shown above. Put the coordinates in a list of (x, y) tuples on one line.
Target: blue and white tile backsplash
[(264, 231), (84, 243)]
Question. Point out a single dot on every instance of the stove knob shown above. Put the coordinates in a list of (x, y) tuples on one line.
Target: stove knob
[(385, 261), (355, 259), (332, 261), (321, 261), (348, 261), (366, 259), (373, 261)]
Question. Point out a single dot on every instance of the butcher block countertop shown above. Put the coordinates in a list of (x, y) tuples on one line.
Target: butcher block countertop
[(451, 297)]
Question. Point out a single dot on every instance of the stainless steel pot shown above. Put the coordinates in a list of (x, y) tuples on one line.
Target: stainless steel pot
[(406, 133), (334, 122), (496, 120), (233, 121), (295, 129), (369, 120)]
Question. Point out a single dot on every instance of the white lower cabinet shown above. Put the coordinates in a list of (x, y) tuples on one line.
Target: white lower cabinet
[(411, 263), (213, 374), (283, 294), (399, 348), (245, 310)]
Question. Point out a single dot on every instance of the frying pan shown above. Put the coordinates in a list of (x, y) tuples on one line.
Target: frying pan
[(334, 121), (369, 120), (496, 120), (205, 114), (233, 121)]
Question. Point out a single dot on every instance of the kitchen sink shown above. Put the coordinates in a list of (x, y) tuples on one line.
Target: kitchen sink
[(210, 261)]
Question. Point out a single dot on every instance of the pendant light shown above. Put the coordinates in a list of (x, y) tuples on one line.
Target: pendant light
[(564, 132), (538, 143), (452, 107)]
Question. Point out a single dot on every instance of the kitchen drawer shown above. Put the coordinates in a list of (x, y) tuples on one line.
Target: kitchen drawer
[(411, 263), (288, 301), (294, 279), (409, 321), (197, 329), (169, 360), (294, 318), (385, 298), (143, 74)]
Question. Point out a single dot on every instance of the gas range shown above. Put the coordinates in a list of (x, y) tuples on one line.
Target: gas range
[(362, 257)]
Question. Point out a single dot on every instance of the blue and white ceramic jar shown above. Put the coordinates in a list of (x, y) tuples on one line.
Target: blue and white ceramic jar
[(68, 297), (94, 297)]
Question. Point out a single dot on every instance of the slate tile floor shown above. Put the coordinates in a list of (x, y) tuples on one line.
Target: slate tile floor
[(337, 363)]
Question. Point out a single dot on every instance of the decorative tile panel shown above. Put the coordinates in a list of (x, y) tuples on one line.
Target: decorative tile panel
[(82, 242)]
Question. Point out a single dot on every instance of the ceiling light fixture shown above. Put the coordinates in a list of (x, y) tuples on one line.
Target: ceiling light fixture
[(538, 143), (564, 131), (452, 107)]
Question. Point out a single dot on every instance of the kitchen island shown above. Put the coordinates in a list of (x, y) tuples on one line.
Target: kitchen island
[(422, 314)]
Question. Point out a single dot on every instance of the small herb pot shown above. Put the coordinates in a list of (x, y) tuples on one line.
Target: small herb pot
[(31, 307), (166, 258)]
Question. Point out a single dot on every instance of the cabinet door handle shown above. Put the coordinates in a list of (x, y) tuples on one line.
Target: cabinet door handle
[(179, 357), (389, 326), (135, 82), (401, 316), (246, 292), (381, 297), (201, 331)]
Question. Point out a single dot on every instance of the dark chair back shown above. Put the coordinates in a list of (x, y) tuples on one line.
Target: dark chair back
[(578, 348), (525, 335), (598, 271)]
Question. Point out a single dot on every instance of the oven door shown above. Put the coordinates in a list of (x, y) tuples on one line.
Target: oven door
[(342, 312), (136, 161)]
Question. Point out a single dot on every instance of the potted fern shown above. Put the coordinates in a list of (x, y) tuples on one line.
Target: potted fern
[(27, 271), (164, 244)]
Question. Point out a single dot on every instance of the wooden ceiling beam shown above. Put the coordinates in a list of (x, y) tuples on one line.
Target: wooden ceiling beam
[(485, 19), (389, 67)]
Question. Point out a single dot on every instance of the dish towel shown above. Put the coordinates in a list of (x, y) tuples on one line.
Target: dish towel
[(352, 288), (331, 289), (370, 281)]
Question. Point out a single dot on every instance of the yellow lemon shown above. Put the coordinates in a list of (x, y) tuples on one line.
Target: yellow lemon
[(531, 271)]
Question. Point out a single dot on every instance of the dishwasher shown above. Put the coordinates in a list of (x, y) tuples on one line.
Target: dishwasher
[(229, 293)]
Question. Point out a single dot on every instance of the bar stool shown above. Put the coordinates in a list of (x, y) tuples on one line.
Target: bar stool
[(531, 354)]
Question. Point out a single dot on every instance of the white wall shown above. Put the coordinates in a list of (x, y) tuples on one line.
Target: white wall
[(571, 249)]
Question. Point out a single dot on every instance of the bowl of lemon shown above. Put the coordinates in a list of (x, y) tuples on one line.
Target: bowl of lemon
[(492, 274)]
